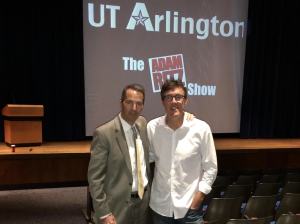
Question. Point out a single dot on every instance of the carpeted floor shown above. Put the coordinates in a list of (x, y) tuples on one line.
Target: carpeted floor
[(43, 206)]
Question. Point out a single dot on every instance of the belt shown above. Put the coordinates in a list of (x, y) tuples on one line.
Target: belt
[(135, 194)]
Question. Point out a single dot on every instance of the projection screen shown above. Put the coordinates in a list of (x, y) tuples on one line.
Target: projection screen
[(201, 42)]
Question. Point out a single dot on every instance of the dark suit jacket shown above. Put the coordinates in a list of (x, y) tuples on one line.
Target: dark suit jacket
[(109, 173)]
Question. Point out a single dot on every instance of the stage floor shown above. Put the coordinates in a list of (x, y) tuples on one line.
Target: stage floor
[(83, 147), (74, 147), (248, 144)]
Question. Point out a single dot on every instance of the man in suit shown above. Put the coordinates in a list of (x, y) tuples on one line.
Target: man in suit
[(112, 173)]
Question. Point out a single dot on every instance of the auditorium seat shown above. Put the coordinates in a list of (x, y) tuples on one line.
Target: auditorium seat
[(250, 172), (267, 189), (260, 206), (214, 193), (288, 219), (264, 220), (271, 178), (220, 210), (223, 180), (229, 172), (292, 177), (290, 203), (291, 187), (279, 171), (247, 180), (214, 222), (235, 190)]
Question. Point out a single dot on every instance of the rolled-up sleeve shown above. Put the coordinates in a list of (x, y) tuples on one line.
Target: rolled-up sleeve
[(209, 162)]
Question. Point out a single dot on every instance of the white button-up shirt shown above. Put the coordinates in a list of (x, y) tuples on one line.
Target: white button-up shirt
[(185, 162)]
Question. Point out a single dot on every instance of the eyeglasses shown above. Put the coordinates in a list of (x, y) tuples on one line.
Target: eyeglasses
[(177, 97)]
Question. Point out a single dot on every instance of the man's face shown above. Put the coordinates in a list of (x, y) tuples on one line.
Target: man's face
[(174, 102), (132, 106)]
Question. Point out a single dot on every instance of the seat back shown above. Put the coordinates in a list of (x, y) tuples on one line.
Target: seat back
[(266, 189), (223, 209), (290, 203), (223, 180), (291, 187), (292, 177), (247, 180), (288, 219), (235, 190), (264, 220), (271, 178), (214, 193), (260, 206)]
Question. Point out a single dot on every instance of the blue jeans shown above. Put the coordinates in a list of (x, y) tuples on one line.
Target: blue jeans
[(191, 217)]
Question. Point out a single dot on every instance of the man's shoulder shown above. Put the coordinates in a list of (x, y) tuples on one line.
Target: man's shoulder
[(156, 121), (141, 120), (199, 124), (109, 125)]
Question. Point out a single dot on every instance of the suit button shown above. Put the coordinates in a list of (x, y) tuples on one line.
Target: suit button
[(130, 184)]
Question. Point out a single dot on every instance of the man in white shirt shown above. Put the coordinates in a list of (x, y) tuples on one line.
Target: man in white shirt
[(185, 160)]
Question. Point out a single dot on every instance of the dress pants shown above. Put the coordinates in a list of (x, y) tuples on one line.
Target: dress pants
[(139, 212)]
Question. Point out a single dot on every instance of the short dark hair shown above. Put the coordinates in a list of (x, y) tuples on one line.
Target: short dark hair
[(171, 84), (134, 86)]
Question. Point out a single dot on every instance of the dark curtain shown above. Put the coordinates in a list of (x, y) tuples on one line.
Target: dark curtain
[(271, 92), (41, 62)]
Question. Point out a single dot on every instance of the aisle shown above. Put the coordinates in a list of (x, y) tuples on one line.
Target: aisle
[(43, 206)]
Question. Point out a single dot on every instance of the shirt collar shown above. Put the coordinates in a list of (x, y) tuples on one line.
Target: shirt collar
[(162, 121), (125, 124)]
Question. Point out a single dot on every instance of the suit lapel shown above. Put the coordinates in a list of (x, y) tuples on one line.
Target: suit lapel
[(121, 140)]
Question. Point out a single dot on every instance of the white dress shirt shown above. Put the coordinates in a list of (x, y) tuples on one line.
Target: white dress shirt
[(131, 147), (185, 162)]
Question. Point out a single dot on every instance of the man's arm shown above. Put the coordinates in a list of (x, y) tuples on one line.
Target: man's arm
[(150, 136), (197, 200), (210, 168), (97, 174)]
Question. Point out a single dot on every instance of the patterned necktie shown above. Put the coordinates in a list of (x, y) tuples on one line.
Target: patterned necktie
[(138, 155)]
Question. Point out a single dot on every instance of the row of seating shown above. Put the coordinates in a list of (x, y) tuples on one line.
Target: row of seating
[(246, 185), (283, 219), (260, 189), (251, 171), (254, 178), (220, 210), (253, 198)]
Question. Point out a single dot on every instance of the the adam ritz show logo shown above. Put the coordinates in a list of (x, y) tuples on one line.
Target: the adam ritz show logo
[(168, 67), (172, 67)]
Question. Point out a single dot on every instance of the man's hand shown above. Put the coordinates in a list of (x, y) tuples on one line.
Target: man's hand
[(197, 200), (110, 219), (189, 116)]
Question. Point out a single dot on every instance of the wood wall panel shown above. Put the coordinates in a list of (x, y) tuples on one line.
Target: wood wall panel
[(259, 159), (43, 170), (67, 162)]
